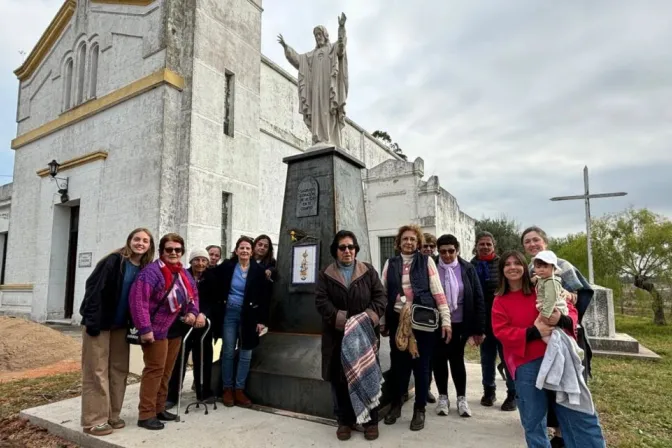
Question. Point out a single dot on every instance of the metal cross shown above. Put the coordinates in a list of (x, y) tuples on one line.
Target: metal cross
[(586, 196)]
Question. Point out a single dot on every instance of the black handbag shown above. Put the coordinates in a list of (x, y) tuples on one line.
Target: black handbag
[(424, 318), (132, 334)]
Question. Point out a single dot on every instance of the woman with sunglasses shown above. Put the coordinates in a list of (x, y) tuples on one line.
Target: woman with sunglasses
[(467, 314), (162, 292), (346, 288)]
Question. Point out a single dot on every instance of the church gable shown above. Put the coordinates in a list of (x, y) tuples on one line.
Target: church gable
[(68, 67)]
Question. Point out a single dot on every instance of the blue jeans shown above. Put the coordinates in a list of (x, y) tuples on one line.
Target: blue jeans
[(490, 348), (231, 330), (578, 428)]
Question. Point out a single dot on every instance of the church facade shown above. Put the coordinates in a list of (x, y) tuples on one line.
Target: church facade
[(161, 114)]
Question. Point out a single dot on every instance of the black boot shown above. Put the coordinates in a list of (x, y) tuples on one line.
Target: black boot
[(393, 415), (510, 402), (489, 397), (430, 397), (151, 423), (418, 420), (166, 416)]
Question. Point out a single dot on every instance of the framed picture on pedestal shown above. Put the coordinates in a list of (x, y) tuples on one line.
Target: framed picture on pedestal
[(305, 263)]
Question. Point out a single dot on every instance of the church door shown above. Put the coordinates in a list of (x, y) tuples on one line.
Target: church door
[(72, 262)]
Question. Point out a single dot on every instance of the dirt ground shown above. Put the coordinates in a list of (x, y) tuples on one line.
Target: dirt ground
[(26, 345), (16, 432), (38, 365)]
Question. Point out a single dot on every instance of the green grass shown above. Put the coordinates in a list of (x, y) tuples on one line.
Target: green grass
[(23, 394), (634, 397)]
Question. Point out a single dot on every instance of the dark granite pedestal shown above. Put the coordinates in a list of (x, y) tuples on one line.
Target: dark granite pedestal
[(323, 195)]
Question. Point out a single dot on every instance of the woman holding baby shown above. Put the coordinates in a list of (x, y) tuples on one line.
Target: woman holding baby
[(518, 325), (577, 290)]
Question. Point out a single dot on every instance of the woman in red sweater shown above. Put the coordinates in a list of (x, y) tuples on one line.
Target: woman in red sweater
[(517, 324)]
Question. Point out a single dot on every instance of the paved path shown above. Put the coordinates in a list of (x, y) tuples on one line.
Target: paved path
[(236, 427)]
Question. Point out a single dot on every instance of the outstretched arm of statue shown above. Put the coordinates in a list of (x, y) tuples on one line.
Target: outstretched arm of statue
[(291, 55), (342, 38)]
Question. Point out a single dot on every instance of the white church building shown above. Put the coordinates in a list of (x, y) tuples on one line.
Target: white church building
[(166, 115)]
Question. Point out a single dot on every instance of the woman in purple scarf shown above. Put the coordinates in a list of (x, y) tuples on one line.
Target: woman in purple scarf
[(467, 310)]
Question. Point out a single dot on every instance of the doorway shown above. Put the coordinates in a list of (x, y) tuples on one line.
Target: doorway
[(71, 263)]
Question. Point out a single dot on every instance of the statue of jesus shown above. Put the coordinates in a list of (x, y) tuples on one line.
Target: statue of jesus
[(323, 84)]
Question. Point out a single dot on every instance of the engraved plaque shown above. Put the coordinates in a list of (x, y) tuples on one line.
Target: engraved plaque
[(307, 198)]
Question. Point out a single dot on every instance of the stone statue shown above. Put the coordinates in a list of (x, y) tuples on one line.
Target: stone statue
[(323, 84)]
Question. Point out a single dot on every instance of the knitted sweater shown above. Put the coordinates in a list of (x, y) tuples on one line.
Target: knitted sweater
[(146, 294)]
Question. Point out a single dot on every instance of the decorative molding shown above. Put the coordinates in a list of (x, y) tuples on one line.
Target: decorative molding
[(16, 287), (47, 41), (386, 194), (93, 107), (125, 2), (77, 161)]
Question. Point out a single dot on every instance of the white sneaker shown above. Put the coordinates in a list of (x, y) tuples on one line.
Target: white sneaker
[(443, 408), (463, 407)]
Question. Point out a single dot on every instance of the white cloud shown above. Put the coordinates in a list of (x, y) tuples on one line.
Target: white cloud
[(505, 101)]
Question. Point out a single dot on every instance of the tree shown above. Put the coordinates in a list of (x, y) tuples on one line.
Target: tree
[(573, 248), (387, 140), (382, 135), (638, 244), (506, 232)]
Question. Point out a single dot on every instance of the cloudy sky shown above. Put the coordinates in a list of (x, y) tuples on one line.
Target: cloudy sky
[(505, 101)]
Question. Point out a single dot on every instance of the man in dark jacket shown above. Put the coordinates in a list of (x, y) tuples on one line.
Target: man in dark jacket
[(486, 261), (346, 288)]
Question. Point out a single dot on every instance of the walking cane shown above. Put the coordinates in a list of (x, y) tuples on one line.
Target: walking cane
[(201, 401), (179, 392)]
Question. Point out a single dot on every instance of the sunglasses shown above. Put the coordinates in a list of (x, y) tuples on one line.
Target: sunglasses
[(170, 250), (447, 251), (429, 246), (350, 247)]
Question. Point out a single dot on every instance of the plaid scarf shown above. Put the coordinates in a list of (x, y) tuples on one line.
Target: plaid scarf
[(360, 365), (181, 293)]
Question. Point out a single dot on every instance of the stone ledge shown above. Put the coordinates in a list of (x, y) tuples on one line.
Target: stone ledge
[(643, 353), (621, 342)]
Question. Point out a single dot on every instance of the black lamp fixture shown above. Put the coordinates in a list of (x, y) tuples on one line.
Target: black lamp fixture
[(61, 182)]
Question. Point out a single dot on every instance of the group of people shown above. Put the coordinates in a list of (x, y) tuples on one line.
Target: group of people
[(428, 299), (431, 305), (129, 292)]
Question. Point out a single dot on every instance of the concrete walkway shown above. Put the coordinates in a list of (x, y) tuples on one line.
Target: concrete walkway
[(236, 427)]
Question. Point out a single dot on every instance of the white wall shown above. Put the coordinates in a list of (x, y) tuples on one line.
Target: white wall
[(129, 42), (396, 195)]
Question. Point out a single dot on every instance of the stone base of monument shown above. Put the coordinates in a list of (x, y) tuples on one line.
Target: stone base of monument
[(323, 194), (600, 327), (286, 373)]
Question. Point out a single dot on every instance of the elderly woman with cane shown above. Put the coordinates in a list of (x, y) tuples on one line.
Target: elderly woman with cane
[(346, 288), (162, 292)]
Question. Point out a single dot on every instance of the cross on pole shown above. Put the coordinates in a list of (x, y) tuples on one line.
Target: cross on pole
[(586, 196)]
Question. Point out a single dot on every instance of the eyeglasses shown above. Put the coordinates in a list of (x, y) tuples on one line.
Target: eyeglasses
[(429, 246), (170, 250), (447, 251), (350, 247)]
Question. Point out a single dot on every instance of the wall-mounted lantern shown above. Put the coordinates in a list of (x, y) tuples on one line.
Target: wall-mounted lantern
[(61, 183)]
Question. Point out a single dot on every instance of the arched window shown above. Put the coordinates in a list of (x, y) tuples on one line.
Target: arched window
[(93, 64), (81, 73), (67, 84)]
